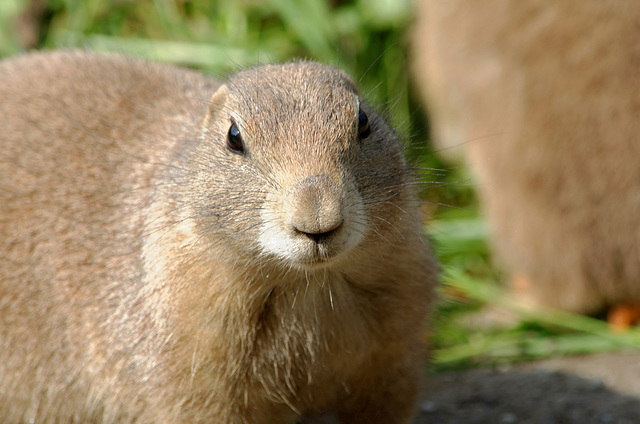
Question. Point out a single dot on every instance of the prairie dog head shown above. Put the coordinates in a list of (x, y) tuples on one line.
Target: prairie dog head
[(295, 168)]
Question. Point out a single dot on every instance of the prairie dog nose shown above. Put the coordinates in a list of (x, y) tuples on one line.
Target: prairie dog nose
[(316, 207)]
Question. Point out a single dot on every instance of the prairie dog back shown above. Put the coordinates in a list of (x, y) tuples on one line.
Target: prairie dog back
[(545, 98), (179, 249)]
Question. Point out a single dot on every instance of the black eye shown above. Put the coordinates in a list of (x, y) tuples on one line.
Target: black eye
[(364, 130), (234, 140)]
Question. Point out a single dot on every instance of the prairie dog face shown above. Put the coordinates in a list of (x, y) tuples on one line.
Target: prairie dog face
[(300, 158)]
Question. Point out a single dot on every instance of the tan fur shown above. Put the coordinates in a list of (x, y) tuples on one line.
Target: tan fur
[(545, 98), (151, 275)]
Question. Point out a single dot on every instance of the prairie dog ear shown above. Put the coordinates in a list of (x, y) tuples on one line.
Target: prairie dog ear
[(348, 81), (216, 102)]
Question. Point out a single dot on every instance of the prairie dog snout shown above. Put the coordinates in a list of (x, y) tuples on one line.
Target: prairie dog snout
[(316, 223)]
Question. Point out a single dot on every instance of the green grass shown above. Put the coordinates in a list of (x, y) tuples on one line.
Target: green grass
[(368, 38), (528, 334)]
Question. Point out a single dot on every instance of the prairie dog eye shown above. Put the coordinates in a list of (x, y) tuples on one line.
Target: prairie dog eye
[(364, 130), (234, 140)]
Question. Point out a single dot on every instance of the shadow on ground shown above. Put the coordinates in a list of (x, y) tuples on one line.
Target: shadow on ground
[(594, 389), (524, 397)]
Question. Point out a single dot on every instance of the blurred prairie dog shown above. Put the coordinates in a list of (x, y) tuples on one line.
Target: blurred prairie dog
[(544, 97), (179, 250)]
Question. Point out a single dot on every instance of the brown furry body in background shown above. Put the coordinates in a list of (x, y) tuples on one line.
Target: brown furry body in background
[(545, 99), (150, 273)]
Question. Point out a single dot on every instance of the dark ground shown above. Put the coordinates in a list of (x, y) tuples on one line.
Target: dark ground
[(594, 389)]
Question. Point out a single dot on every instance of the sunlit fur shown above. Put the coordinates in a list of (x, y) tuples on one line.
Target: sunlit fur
[(544, 97), (139, 281)]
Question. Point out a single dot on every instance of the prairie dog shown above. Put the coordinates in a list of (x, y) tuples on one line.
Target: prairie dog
[(176, 249), (545, 98)]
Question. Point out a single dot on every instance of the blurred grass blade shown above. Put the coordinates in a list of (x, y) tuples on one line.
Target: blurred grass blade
[(490, 293), (583, 334), (311, 21), (209, 56)]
